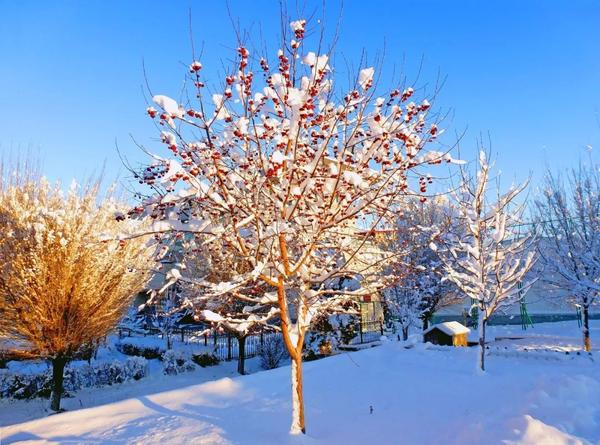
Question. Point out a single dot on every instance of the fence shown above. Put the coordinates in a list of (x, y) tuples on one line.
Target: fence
[(183, 332), (226, 346)]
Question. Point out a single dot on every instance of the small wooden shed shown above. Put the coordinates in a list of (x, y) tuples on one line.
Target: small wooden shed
[(450, 333)]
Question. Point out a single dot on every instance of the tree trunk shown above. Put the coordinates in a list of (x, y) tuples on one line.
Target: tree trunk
[(298, 426), (426, 319), (481, 322), (404, 333), (294, 348), (587, 344), (241, 354), (58, 368)]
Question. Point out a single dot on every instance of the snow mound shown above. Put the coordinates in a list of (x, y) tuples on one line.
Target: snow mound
[(531, 431)]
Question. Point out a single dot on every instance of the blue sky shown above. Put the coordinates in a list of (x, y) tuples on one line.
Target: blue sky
[(526, 72)]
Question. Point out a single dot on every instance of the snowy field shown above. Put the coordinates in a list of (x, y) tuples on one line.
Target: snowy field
[(537, 390)]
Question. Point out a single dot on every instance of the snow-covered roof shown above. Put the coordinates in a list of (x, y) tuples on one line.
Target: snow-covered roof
[(449, 328)]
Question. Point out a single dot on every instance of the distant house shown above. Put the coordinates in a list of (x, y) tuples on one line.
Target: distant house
[(450, 333)]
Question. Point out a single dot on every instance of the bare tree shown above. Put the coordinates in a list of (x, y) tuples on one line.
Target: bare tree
[(289, 175), (569, 219), (61, 288), (486, 257)]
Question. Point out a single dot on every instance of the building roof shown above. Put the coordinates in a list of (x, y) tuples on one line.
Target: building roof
[(449, 328)]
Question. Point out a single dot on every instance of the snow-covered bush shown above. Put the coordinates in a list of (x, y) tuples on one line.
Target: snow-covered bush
[(271, 352), (21, 385), (24, 386), (133, 368), (348, 326), (176, 362), (104, 374), (322, 332), (205, 359), (136, 367), (147, 351), (327, 332)]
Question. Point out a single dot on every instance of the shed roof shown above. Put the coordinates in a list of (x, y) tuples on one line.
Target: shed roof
[(449, 328)]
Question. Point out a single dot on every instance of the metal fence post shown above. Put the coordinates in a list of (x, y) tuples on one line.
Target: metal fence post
[(228, 346)]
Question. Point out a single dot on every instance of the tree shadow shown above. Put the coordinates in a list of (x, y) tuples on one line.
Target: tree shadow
[(64, 440), (169, 412)]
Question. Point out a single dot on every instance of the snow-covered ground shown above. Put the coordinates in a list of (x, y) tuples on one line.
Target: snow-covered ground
[(533, 393)]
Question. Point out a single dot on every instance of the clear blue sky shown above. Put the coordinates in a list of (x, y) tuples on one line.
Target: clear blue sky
[(527, 72)]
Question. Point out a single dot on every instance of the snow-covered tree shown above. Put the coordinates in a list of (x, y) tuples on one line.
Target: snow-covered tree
[(289, 174), (569, 220), (404, 304), (167, 314), (487, 257), (418, 224), (61, 288)]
